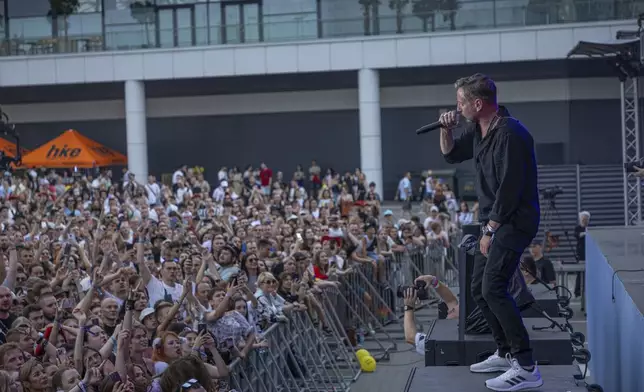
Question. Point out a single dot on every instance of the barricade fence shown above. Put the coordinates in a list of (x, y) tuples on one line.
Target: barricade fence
[(362, 310)]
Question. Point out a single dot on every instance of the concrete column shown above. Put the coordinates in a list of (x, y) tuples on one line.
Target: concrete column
[(370, 138), (136, 129)]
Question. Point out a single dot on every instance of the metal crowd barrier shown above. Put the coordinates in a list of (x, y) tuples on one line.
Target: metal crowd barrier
[(298, 359), (364, 311), (567, 275)]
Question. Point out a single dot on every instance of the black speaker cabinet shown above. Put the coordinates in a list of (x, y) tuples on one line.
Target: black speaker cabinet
[(443, 347), (465, 268)]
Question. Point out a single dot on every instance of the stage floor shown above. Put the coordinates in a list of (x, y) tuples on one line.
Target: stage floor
[(624, 250), (459, 379)]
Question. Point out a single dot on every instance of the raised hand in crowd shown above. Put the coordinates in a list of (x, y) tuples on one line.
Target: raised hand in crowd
[(136, 271)]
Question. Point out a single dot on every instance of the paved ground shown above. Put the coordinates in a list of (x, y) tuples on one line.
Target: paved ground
[(392, 375)]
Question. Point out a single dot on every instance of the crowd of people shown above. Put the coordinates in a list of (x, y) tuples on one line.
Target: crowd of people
[(126, 284)]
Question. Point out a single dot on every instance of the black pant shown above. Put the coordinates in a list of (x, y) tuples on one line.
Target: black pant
[(490, 280)]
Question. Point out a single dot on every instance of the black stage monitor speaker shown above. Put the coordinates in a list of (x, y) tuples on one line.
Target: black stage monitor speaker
[(465, 268)]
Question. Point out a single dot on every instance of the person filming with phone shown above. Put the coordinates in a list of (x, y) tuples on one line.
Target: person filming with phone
[(419, 292), (506, 187)]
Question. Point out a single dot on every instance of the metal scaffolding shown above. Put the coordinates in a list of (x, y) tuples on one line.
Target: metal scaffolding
[(627, 58), (631, 149)]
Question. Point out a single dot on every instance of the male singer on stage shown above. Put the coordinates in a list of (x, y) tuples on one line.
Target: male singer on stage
[(506, 186)]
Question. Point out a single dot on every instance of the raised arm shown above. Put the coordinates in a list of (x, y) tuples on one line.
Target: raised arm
[(146, 275), (457, 150), (187, 288), (9, 276)]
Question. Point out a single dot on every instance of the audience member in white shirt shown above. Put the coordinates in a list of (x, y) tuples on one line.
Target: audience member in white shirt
[(220, 192), (465, 217), (179, 174), (433, 217), (153, 191)]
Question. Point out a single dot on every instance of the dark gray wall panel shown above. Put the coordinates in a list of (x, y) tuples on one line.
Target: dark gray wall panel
[(590, 131), (403, 150), (595, 132), (282, 140)]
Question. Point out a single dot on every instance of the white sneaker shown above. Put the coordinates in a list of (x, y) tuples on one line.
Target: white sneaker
[(493, 364), (516, 378)]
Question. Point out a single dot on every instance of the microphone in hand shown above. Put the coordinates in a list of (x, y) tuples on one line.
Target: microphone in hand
[(447, 120)]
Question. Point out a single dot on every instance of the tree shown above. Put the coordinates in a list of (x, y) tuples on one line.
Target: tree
[(449, 8), (59, 11), (424, 10), (369, 7), (399, 6), (143, 12)]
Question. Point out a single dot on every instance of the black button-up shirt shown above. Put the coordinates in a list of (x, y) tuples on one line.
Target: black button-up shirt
[(506, 178)]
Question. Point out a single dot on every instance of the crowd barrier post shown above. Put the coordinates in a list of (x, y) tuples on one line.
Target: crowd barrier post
[(341, 343), (297, 359)]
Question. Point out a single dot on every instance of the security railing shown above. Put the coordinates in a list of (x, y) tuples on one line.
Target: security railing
[(465, 15), (572, 277), (363, 311), (298, 359)]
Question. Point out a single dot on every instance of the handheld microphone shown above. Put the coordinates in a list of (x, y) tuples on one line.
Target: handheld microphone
[(428, 128), (433, 126)]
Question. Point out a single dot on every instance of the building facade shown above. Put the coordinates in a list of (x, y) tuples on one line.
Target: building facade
[(222, 83)]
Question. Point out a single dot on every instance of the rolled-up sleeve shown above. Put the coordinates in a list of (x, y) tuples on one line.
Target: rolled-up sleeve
[(510, 161), (463, 149)]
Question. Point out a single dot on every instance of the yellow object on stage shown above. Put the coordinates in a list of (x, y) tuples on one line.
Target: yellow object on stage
[(362, 353), (367, 364)]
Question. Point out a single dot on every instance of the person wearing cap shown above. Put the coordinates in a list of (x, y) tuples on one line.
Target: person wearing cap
[(227, 260), (506, 186), (149, 321), (433, 217), (388, 219)]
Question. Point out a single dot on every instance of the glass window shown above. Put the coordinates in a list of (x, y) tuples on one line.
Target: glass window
[(250, 24), (34, 21), (130, 25), (201, 24), (30, 8), (510, 13), (285, 20), (2, 18), (214, 16), (180, 2), (280, 7), (30, 28), (470, 14), (341, 18), (90, 6)]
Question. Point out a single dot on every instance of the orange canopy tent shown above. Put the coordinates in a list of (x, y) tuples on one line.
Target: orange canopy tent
[(9, 148), (71, 149)]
